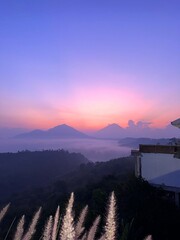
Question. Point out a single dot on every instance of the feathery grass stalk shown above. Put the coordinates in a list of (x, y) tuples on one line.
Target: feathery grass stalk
[(67, 230), (110, 227), (12, 223), (4, 211), (48, 229), (93, 229), (79, 226), (84, 237), (55, 224), (149, 237), (102, 237), (32, 228), (20, 229)]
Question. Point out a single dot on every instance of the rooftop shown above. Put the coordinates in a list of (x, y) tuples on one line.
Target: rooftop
[(166, 149)]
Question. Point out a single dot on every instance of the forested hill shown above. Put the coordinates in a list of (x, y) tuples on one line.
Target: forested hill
[(82, 177), (25, 170), (90, 173)]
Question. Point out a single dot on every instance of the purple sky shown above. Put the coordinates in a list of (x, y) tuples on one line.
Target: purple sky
[(89, 63)]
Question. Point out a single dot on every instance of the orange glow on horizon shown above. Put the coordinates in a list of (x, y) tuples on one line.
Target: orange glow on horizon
[(81, 124), (88, 110)]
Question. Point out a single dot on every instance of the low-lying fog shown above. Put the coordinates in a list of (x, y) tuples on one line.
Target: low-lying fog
[(95, 150)]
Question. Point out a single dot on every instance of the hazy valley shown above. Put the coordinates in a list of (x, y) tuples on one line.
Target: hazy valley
[(107, 143)]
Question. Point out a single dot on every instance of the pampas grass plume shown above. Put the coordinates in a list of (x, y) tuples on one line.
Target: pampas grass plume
[(32, 228), (110, 227), (93, 229), (48, 229), (20, 229), (67, 230), (79, 226), (55, 224), (84, 237), (4, 211), (149, 237), (102, 237)]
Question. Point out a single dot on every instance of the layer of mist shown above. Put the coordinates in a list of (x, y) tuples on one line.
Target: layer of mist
[(93, 149)]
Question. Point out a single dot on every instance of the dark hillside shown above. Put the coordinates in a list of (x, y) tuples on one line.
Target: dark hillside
[(79, 177), (147, 208), (25, 170), (90, 173)]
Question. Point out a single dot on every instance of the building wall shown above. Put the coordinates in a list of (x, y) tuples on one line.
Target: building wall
[(159, 168)]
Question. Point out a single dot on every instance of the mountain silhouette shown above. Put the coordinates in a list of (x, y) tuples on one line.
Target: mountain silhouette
[(112, 131), (60, 131)]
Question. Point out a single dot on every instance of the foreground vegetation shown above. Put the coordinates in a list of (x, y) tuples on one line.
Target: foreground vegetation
[(26, 170), (66, 228), (140, 208)]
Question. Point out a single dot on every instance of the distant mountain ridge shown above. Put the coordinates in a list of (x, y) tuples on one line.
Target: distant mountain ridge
[(60, 131), (112, 131), (6, 132)]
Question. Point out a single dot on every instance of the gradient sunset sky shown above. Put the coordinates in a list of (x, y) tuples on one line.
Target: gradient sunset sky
[(89, 63)]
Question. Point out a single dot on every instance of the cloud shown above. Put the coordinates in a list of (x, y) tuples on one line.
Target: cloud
[(145, 129), (139, 124)]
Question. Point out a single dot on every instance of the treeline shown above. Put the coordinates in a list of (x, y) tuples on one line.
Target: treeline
[(26, 170)]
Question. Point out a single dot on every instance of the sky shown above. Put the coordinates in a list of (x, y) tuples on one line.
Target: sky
[(89, 63)]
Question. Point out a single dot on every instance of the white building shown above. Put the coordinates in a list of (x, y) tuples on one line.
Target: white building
[(160, 166)]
